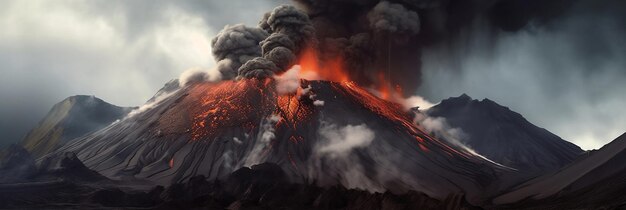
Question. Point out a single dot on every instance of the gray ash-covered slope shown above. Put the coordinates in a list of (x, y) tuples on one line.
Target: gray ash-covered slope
[(71, 118), (16, 164), (592, 181), (505, 136), (354, 139)]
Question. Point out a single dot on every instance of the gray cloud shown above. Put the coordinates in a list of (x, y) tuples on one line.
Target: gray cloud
[(567, 76), (394, 18), (291, 32), (237, 44), (121, 51)]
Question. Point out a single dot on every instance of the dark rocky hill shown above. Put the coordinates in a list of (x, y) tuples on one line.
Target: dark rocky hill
[(505, 136)]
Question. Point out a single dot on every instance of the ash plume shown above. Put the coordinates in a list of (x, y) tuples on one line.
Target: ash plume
[(393, 18), (387, 37), (372, 37), (236, 45), (266, 50)]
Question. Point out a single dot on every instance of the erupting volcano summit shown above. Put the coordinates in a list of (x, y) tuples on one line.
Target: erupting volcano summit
[(313, 121), (355, 139)]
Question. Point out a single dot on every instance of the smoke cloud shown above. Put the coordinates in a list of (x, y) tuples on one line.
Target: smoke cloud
[(156, 100), (387, 37), (335, 153), (289, 82), (202, 75), (340, 141), (393, 18), (291, 31), (439, 127), (417, 101), (267, 50), (262, 143), (237, 45)]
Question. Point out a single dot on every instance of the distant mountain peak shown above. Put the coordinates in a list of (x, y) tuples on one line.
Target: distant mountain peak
[(464, 97), (505, 136), (485, 106), (72, 117)]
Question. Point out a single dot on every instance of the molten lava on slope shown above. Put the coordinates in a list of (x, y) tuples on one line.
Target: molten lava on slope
[(213, 129)]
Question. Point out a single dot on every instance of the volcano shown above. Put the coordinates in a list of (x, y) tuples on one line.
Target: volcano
[(326, 133)]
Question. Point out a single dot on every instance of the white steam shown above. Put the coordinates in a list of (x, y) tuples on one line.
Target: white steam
[(438, 125), (417, 101), (237, 141), (441, 129), (262, 143), (194, 75), (339, 141), (288, 82), (158, 99), (335, 154)]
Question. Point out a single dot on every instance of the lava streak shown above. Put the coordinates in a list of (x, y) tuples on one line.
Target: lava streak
[(243, 102), (292, 109), (226, 104), (394, 112)]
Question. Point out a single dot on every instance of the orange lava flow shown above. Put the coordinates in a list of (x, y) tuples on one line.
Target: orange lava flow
[(383, 88), (312, 69), (226, 104), (292, 110), (243, 103), (395, 113)]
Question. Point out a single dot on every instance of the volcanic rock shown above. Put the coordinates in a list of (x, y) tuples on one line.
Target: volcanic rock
[(356, 140), (71, 118), (594, 181), (504, 136), (16, 164)]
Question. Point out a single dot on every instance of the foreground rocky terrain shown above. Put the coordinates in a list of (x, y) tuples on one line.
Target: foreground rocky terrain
[(68, 184)]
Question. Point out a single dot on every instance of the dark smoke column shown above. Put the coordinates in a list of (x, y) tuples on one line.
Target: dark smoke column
[(372, 37), (290, 32), (235, 45), (262, 52), (387, 37)]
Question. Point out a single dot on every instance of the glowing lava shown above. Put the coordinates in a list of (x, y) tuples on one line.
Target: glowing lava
[(246, 102), (394, 112), (312, 69), (227, 104)]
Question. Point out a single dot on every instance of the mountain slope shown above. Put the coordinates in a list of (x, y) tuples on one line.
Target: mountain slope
[(16, 164), (596, 178), (328, 133), (71, 118), (505, 136)]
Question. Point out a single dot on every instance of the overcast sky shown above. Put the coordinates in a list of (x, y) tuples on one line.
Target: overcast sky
[(568, 77), (123, 51)]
